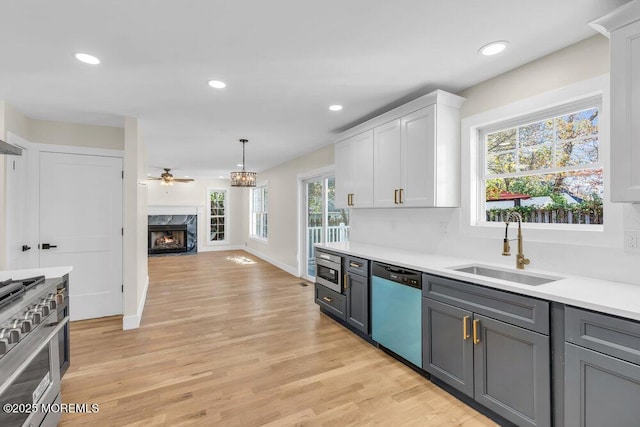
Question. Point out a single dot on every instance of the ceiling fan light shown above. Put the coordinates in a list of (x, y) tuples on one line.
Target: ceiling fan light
[(243, 178)]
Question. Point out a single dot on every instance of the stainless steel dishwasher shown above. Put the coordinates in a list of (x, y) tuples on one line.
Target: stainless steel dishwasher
[(396, 313)]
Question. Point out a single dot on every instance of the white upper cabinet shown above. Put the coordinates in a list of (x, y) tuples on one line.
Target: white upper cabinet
[(387, 164), (623, 27), (415, 155), (354, 171)]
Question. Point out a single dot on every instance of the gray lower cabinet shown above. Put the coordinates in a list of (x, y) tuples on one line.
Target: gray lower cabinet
[(600, 390), (357, 293), (602, 370), (504, 367), (331, 301), (512, 375), (447, 351)]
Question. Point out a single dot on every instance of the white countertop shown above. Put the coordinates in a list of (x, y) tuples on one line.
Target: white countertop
[(620, 299), (47, 272)]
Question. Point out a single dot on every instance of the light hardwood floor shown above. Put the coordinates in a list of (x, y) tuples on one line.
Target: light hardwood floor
[(227, 343)]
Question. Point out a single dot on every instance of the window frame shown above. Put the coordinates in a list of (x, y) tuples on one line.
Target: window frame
[(594, 101), (263, 234), (609, 235), (227, 193)]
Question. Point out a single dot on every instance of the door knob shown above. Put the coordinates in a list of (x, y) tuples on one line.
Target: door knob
[(46, 246), (25, 248)]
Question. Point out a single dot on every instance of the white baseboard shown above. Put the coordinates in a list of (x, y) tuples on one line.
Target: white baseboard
[(133, 322), (220, 248), (282, 266)]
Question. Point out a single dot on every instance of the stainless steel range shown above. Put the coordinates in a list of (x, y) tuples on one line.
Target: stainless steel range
[(29, 351)]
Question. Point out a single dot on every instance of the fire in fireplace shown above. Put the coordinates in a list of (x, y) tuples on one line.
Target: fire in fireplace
[(167, 239)]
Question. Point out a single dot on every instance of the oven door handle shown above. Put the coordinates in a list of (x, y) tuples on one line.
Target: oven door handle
[(33, 353)]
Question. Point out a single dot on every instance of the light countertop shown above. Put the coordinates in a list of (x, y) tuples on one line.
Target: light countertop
[(47, 272), (620, 299)]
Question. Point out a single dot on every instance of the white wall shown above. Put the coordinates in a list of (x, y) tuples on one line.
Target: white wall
[(195, 195), (136, 278), (281, 248), (442, 230), (439, 230)]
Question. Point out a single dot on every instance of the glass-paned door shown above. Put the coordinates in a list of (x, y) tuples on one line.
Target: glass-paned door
[(324, 222)]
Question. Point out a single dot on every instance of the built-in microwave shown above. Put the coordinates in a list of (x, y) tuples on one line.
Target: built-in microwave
[(329, 270)]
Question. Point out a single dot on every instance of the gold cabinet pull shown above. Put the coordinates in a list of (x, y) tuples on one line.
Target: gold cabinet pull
[(327, 299), (465, 332), (395, 196), (476, 339), (401, 195), (346, 281)]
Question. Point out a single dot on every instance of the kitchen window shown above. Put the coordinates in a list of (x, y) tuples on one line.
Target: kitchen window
[(218, 224), (259, 212), (546, 166)]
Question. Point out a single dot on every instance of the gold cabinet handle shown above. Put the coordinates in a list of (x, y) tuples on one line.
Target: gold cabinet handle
[(476, 339), (395, 196), (465, 332), (401, 195), (327, 299), (346, 281), (355, 264)]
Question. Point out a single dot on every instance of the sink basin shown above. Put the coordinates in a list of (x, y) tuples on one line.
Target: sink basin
[(508, 275)]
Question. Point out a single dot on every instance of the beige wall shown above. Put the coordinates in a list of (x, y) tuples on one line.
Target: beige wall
[(195, 194), (284, 206), (583, 60), (48, 132)]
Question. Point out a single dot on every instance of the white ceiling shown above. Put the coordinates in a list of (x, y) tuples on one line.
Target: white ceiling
[(284, 62)]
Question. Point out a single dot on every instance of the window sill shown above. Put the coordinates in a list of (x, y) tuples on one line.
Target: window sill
[(259, 239)]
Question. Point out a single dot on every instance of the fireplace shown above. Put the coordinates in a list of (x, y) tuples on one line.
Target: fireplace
[(167, 239)]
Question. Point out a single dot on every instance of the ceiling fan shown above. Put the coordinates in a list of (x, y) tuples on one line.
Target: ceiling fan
[(168, 179)]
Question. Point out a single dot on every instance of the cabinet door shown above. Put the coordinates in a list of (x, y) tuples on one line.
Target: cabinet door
[(386, 164), (357, 290), (354, 171), (362, 167), (344, 173), (625, 108), (600, 390), (418, 158), (511, 372), (447, 344)]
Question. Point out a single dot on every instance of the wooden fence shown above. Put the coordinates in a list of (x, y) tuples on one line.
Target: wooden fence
[(550, 216)]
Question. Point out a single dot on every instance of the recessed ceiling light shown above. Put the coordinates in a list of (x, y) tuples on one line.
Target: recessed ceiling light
[(87, 59), (220, 176), (493, 48), (239, 165), (335, 107), (217, 84)]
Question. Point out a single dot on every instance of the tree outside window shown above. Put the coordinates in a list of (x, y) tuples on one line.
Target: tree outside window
[(548, 170)]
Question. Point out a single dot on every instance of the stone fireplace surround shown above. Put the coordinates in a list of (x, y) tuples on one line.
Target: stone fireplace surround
[(174, 219)]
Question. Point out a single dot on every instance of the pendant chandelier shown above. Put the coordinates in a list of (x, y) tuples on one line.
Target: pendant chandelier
[(243, 178)]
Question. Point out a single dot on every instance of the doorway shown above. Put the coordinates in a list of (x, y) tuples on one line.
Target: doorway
[(323, 221)]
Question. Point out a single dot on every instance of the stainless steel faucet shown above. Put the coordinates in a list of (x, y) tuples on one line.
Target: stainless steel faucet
[(521, 261)]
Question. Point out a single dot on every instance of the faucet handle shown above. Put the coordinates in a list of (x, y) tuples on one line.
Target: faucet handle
[(506, 249)]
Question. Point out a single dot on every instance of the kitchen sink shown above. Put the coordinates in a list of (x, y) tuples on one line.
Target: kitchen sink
[(508, 275)]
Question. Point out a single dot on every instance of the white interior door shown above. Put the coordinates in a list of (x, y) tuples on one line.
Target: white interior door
[(21, 236), (81, 218)]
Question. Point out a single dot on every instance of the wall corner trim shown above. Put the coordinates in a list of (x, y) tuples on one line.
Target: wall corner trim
[(133, 321), (282, 266)]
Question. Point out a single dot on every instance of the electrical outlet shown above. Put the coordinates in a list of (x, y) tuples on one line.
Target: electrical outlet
[(630, 240)]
